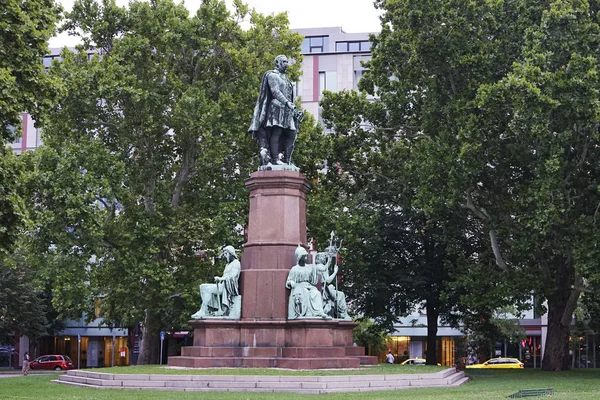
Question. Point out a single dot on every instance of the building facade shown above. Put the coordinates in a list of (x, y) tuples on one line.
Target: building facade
[(332, 61)]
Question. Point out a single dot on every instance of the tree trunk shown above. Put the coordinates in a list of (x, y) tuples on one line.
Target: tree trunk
[(432, 328), (150, 341), (556, 350), (562, 302)]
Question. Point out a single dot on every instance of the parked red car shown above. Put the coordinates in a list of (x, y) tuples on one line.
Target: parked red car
[(53, 361)]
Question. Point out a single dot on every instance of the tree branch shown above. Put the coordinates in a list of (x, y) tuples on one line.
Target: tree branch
[(110, 208), (149, 196), (183, 176), (580, 162), (543, 265), (479, 213), (567, 316), (496, 249), (485, 217)]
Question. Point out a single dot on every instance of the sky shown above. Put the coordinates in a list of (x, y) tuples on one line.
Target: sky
[(352, 15)]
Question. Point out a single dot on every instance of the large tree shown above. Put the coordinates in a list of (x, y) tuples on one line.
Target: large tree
[(11, 204), (497, 103), (26, 26), (24, 87), (537, 129), (400, 254), (141, 178), (22, 309)]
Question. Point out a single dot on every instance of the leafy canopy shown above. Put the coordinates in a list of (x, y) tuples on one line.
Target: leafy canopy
[(24, 87), (141, 178)]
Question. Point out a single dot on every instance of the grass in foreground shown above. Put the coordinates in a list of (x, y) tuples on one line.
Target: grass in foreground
[(572, 385)]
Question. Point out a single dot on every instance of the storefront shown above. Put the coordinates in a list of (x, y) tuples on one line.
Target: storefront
[(405, 347), (87, 345)]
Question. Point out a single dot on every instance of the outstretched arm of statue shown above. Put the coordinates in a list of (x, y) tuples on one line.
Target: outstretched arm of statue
[(333, 274), (324, 267)]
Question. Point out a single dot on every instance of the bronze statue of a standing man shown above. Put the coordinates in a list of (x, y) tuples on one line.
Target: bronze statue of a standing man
[(276, 119)]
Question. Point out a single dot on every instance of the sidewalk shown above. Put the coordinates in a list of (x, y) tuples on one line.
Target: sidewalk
[(11, 372)]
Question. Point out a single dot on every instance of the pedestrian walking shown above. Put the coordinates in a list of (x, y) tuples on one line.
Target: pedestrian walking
[(390, 357), (26, 363)]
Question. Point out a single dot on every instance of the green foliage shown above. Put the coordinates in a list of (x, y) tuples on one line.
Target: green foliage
[(502, 326), (489, 107), (22, 311), (12, 210), (25, 27), (370, 336), (140, 181)]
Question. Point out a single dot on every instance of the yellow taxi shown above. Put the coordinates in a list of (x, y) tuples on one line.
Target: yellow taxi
[(497, 363)]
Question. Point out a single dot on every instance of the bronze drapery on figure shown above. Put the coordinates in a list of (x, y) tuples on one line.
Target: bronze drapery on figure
[(276, 120), (222, 299)]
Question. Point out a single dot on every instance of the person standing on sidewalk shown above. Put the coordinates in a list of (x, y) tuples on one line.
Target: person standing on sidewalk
[(25, 363), (390, 357)]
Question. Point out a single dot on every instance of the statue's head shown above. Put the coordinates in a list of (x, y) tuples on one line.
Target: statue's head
[(321, 258), (281, 63), (300, 252), (228, 250)]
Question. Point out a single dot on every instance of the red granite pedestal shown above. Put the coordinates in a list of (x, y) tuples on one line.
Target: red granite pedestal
[(264, 337)]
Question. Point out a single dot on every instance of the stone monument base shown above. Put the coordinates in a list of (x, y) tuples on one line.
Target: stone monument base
[(291, 344), (263, 337)]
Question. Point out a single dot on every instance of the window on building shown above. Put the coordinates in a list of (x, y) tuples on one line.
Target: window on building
[(344, 47), (12, 129), (327, 81), (298, 89), (315, 44), (47, 60), (322, 83), (357, 76), (399, 345), (322, 122)]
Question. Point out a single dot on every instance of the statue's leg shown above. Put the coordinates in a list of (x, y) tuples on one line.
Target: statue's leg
[(204, 305), (207, 290), (274, 142), (264, 152), (342, 309), (288, 142), (221, 300)]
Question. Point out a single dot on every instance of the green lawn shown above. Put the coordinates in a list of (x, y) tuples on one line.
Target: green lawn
[(572, 385)]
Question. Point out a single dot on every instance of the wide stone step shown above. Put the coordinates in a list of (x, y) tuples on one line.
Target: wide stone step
[(313, 352), (295, 352), (265, 362), (332, 357), (368, 360), (200, 351), (357, 351), (263, 383)]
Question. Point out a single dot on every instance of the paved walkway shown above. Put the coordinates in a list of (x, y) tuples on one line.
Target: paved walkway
[(11, 373)]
